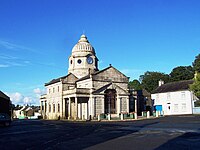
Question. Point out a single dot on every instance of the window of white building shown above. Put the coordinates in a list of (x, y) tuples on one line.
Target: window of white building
[(183, 107), (175, 107), (183, 95), (168, 96)]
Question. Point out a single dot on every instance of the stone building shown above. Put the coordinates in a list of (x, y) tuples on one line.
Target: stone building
[(85, 91)]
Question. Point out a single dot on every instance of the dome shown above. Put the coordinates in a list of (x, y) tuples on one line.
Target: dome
[(83, 45)]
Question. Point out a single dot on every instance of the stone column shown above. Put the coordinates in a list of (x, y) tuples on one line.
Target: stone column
[(127, 105), (63, 108), (69, 108), (76, 108), (118, 104)]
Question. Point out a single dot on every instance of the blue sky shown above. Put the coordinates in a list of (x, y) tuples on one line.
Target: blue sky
[(135, 36)]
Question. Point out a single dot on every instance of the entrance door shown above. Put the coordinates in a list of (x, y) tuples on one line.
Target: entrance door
[(110, 101), (168, 109)]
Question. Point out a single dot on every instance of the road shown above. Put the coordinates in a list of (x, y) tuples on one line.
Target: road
[(173, 132)]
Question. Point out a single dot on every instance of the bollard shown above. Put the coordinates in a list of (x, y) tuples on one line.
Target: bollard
[(109, 116), (135, 115), (122, 116), (148, 114), (157, 113), (99, 117)]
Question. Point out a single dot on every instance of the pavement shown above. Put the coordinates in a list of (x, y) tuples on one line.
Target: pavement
[(171, 132)]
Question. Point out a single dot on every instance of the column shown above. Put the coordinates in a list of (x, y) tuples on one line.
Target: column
[(76, 108), (118, 104), (127, 105), (69, 108), (63, 108)]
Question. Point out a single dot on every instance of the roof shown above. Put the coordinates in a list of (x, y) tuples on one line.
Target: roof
[(173, 86), (57, 80), (2, 95), (97, 72)]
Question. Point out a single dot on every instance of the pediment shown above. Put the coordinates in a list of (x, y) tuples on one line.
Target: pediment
[(110, 74), (111, 85)]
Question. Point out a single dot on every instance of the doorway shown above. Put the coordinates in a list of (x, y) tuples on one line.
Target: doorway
[(110, 101)]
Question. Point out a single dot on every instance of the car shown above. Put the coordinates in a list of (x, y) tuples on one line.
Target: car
[(5, 119)]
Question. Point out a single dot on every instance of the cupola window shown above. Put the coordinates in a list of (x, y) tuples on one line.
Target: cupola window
[(79, 61)]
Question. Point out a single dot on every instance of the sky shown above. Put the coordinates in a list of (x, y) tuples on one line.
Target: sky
[(135, 36)]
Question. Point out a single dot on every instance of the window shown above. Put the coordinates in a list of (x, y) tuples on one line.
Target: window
[(182, 95), (54, 108), (53, 90), (49, 91), (168, 96), (175, 107), (49, 107), (58, 107), (58, 88), (183, 108), (79, 61)]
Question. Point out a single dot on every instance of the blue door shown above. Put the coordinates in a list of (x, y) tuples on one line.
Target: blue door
[(158, 107)]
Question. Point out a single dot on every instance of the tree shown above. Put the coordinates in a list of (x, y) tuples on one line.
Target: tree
[(150, 80), (195, 87), (182, 73), (135, 84), (196, 63)]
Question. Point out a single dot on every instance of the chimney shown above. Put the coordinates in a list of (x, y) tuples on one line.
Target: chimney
[(160, 82)]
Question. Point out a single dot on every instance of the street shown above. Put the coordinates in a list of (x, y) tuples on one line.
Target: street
[(172, 132)]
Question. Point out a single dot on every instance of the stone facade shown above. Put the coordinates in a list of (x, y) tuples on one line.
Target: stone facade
[(86, 91)]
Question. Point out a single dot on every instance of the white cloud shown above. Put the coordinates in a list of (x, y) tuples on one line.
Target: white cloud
[(4, 65), (16, 98), (34, 99)]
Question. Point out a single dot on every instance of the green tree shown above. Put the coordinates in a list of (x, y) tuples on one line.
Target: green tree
[(135, 84), (196, 63), (182, 73), (150, 80), (195, 87)]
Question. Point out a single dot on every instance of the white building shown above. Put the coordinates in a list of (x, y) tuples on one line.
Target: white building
[(174, 98), (85, 91)]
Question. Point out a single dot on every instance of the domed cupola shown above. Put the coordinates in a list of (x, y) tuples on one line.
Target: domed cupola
[(83, 59), (83, 45)]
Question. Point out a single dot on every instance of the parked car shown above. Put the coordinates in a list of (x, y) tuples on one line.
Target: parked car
[(5, 119)]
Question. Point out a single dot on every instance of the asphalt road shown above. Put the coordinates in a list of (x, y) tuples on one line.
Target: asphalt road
[(174, 132)]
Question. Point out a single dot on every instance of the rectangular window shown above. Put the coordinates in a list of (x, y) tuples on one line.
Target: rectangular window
[(168, 96), (53, 90), (58, 108), (183, 95), (58, 88), (49, 91), (49, 107), (54, 108), (183, 108), (175, 107)]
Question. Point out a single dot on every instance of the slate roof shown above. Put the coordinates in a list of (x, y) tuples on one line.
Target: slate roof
[(173, 86), (97, 72), (57, 80), (2, 95)]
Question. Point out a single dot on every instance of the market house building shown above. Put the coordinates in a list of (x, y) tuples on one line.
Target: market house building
[(85, 91)]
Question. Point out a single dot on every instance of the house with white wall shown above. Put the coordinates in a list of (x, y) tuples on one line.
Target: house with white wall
[(174, 98)]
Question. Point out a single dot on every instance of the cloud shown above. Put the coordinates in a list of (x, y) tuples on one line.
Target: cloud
[(38, 92), (34, 99), (4, 65), (15, 47), (16, 98)]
